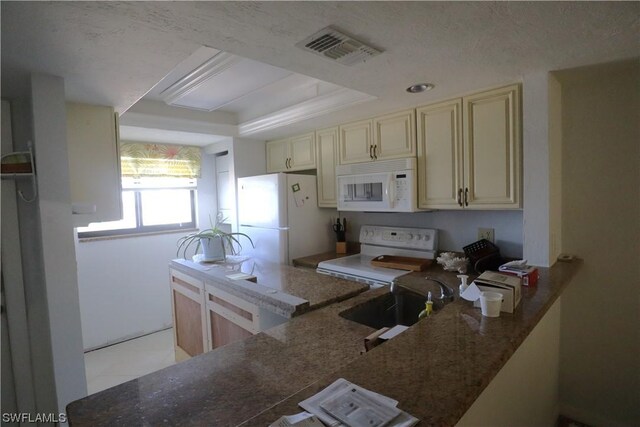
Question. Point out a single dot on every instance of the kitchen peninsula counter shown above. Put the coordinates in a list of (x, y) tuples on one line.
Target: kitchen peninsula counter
[(436, 369), (282, 289)]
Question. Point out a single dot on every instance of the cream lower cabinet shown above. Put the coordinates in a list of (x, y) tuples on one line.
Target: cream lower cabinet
[(189, 315), (291, 154), (469, 152), (326, 160)]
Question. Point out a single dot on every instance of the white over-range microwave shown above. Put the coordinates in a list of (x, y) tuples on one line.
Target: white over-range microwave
[(383, 186)]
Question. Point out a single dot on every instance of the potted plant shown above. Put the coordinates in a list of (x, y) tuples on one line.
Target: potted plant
[(215, 242)]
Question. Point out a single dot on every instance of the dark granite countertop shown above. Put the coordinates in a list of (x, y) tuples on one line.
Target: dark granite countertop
[(436, 369), (283, 289)]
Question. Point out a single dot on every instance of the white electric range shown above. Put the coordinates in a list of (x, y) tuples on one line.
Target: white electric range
[(376, 241)]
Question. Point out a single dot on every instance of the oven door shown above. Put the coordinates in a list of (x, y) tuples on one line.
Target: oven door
[(366, 192)]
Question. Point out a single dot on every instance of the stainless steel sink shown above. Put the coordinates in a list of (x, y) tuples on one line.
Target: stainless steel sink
[(388, 310)]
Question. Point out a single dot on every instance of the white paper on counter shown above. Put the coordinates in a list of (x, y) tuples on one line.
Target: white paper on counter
[(303, 419), (313, 403), (472, 293), (393, 332)]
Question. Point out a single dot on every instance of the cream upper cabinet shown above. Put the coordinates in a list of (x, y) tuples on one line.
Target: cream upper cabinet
[(291, 154), (355, 142), (394, 135), (302, 152), (492, 148), (326, 159), (440, 164), (277, 155), (94, 163), (469, 152)]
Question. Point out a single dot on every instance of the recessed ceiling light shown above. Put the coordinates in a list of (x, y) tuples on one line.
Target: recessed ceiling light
[(420, 87)]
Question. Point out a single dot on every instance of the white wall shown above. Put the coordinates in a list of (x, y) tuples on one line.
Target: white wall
[(456, 228), (525, 391), (600, 348), (542, 168), (124, 287), (51, 282)]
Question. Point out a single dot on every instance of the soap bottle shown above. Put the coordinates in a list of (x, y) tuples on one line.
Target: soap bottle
[(428, 308), (463, 282)]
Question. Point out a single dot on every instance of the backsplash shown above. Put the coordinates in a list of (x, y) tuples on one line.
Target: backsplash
[(455, 228)]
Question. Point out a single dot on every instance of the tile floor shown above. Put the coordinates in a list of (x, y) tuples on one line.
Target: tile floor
[(118, 363)]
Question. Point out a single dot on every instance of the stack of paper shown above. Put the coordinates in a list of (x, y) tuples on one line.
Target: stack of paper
[(346, 404)]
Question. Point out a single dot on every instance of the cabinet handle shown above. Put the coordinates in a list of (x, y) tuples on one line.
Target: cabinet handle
[(286, 163), (460, 196), (371, 151), (466, 196), (375, 148)]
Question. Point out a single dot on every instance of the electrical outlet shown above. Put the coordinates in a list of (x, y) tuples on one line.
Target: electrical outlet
[(486, 233)]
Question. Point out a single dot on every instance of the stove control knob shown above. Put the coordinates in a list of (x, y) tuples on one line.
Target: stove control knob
[(409, 236), (419, 237)]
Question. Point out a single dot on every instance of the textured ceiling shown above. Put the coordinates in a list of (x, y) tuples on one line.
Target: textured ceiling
[(113, 53)]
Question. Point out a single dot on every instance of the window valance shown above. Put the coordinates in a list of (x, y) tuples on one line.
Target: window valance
[(140, 159)]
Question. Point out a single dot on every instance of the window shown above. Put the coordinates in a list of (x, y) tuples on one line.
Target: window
[(150, 205)]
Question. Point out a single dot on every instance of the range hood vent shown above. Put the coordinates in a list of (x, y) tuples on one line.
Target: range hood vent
[(338, 47)]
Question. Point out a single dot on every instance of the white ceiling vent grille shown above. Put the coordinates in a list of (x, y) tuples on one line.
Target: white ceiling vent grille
[(337, 46)]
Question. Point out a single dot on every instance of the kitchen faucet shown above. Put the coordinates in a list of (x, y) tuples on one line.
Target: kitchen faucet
[(446, 292)]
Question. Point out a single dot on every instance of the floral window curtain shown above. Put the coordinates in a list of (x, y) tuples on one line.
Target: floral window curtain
[(159, 160)]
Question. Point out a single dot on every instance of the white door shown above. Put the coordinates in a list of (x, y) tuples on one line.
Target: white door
[(225, 193)]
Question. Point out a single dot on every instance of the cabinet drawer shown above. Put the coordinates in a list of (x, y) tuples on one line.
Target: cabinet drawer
[(234, 309), (186, 283)]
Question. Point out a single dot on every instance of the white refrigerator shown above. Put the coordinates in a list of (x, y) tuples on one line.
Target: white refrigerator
[(280, 213)]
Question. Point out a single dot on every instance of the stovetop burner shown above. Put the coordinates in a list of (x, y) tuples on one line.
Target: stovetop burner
[(376, 241)]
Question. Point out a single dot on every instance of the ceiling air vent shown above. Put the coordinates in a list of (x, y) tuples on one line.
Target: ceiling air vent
[(337, 46)]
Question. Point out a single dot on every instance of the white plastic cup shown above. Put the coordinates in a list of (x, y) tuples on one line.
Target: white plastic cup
[(490, 304)]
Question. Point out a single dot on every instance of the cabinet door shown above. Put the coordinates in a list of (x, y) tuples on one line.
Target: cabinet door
[(229, 318), (492, 148), (355, 143), (440, 161), (94, 161), (394, 135), (326, 159), (277, 155), (302, 152), (189, 316)]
